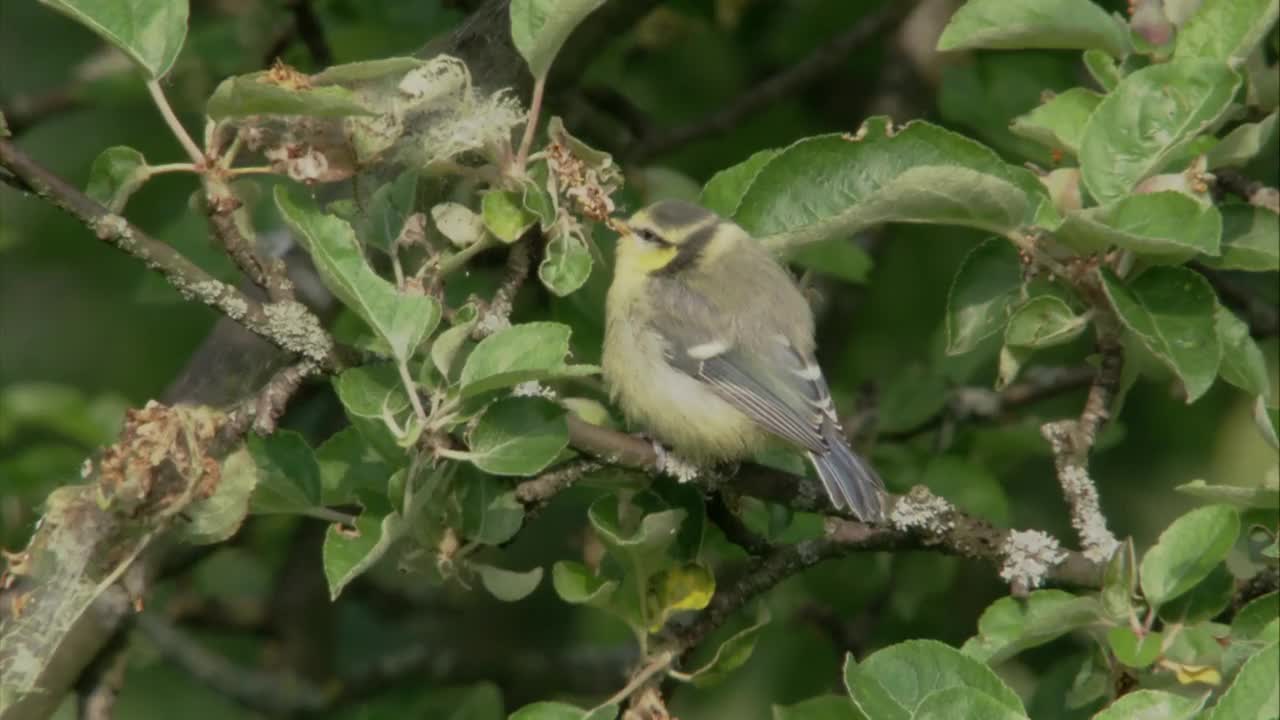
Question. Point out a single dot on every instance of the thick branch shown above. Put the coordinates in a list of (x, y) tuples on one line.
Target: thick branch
[(918, 521), (289, 325), (773, 89)]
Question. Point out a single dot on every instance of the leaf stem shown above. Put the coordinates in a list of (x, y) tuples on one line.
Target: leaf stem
[(412, 388), (171, 168), (166, 111), (331, 515), (531, 125), (655, 666), (455, 261)]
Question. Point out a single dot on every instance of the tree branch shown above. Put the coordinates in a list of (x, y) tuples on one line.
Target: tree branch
[(1073, 440), (261, 690), (774, 88), (287, 324), (1252, 191)]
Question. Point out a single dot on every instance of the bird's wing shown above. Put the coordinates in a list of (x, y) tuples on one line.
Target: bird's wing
[(767, 379)]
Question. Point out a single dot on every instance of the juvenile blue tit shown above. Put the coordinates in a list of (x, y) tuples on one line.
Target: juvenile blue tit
[(709, 345)]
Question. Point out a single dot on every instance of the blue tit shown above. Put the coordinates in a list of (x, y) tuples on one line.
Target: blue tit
[(709, 346)]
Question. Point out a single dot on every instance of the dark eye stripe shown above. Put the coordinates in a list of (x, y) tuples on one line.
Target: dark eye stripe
[(690, 250)]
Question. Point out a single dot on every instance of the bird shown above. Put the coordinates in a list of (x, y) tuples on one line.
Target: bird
[(709, 346)]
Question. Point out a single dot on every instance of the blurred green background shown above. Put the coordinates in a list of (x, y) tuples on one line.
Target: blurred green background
[(85, 332)]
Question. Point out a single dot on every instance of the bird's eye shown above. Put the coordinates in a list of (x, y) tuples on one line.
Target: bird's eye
[(649, 236)]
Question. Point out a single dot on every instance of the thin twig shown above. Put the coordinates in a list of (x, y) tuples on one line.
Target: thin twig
[(656, 665), (1073, 440), (226, 213), (535, 492), (170, 119), (774, 88), (289, 325), (103, 680), (257, 689), (980, 404), (1252, 191)]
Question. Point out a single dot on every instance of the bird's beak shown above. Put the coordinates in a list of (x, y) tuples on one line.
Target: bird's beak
[(618, 226)]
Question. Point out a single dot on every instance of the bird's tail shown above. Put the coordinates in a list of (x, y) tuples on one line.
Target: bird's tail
[(850, 481)]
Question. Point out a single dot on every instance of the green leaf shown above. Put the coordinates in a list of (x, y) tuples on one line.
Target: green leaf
[(894, 682), (255, 94), (1120, 582), (1171, 311), (1151, 116), (1204, 601), (1248, 239), (1059, 122), (518, 436), (369, 394), (540, 27), (387, 210), (723, 192), (349, 551), (1010, 625), (1136, 652), (459, 223), (1151, 705), (116, 174), (505, 216), (1018, 24), (1187, 552), (402, 320), (561, 711), (370, 391), (1103, 68), (529, 351), (448, 345), (1255, 616), (1243, 143), (150, 32), (365, 70), (732, 654), (567, 263), (1165, 226), (491, 514), (1044, 321), (1226, 30), (1255, 693), (676, 589), (1264, 496), (643, 543), (835, 185), (215, 518), (288, 475), (964, 703), (1243, 363), (822, 707), (349, 466), (577, 585), (838, 257), (983, 293), (508, 585)]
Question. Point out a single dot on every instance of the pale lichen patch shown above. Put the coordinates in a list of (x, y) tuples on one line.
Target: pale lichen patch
[(922, 510), (296, 329), (1029, 556)]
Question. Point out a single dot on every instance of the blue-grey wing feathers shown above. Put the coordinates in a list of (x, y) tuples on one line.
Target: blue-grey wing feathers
[(776, 385)]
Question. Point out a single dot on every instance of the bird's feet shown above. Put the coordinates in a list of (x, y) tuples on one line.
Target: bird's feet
[(669, 463)]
